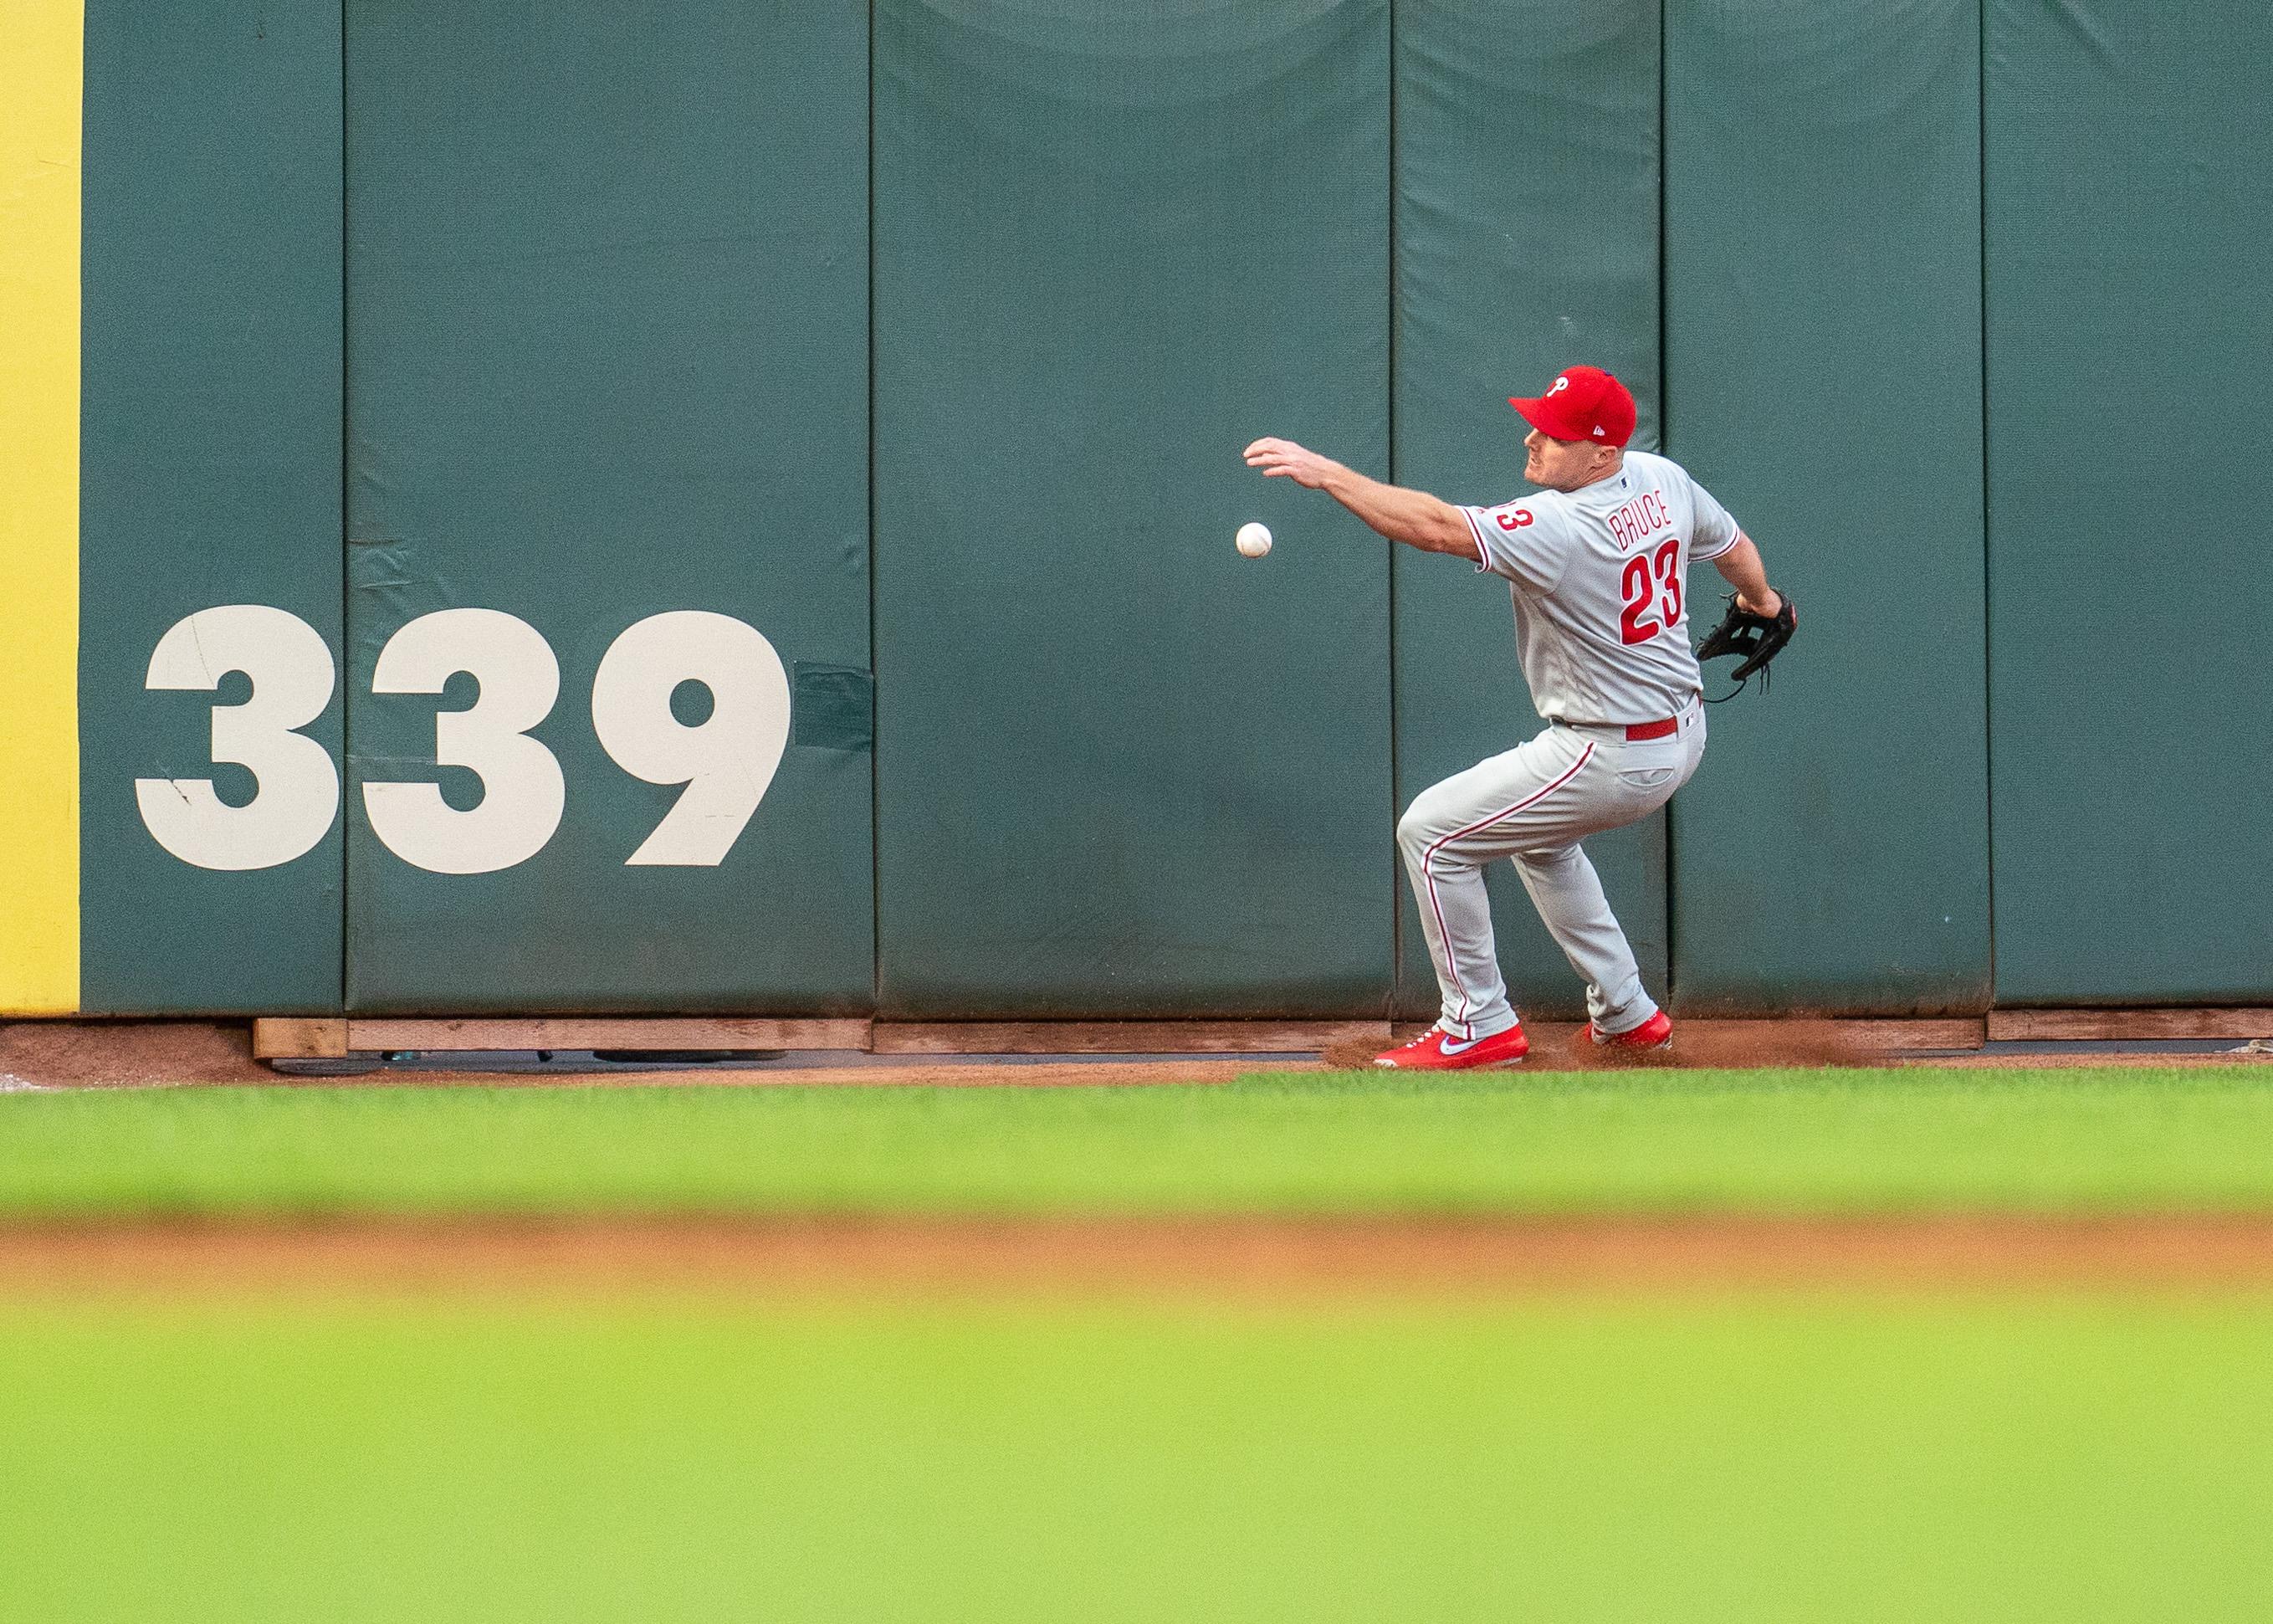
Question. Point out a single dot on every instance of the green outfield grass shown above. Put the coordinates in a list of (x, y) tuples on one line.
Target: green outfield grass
[(1659, 1141), (1573, 1459)]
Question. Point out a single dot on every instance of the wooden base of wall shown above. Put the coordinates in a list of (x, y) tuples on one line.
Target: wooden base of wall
[(334, 1038), (1121, 1037), (1889, 1034), (2127, 1026)]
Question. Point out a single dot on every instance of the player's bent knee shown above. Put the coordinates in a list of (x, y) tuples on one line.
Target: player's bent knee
[(1436, 811), (1414, 830), (1423, 829)]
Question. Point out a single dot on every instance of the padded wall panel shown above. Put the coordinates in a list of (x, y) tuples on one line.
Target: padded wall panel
[(1823, 378), (209, 476), (1123, 770), (1527, 241), (608, 360), (2131, 416)]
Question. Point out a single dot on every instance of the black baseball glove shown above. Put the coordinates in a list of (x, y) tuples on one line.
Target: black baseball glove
[(1756, 639)]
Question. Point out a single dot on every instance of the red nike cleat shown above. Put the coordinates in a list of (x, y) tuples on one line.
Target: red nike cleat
[(1438, 1050), (1655, 1032)]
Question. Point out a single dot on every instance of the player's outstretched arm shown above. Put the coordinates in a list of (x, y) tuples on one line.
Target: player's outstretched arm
[(1740, 567), (1413, 517)]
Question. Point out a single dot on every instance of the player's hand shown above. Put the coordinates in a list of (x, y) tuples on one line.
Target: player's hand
[(1283, 459), (1768, 610)]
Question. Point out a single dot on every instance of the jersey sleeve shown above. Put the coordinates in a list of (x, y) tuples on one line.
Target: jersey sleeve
[(1517, 540), (1711, 531)]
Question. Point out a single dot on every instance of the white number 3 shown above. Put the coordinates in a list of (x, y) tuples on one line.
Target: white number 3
[(298, 791), (522, 793)]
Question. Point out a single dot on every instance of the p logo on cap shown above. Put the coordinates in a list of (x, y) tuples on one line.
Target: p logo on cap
[(1584, 402)]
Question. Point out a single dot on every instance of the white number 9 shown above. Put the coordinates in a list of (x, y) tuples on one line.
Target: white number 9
[(299, 788), (727, 761)]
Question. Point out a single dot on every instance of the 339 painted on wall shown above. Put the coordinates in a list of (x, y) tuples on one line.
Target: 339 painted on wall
[(726, 761)]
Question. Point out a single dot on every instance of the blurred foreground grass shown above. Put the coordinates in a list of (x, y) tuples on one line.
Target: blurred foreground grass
[(1574, 1459), (1330, 1143)]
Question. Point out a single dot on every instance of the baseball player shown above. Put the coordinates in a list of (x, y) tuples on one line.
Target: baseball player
[(1595, 562)]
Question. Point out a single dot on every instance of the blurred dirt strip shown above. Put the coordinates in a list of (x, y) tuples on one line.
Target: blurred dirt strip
[(1238, 1257)]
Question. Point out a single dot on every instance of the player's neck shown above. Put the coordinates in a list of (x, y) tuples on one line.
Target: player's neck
[(1618, 466)]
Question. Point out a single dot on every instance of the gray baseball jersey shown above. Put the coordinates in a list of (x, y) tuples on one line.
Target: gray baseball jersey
[(1598, 578)]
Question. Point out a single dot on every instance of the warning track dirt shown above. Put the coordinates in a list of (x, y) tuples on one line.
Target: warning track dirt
[(1225, 1255)]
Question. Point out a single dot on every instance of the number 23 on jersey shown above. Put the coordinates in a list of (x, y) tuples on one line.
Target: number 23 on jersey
[(1650, 582)]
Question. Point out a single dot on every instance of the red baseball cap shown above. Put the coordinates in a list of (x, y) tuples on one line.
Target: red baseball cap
[(1584, 402)]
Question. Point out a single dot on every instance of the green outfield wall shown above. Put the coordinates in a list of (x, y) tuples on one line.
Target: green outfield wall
[(608, 439), (719, 509), (1526, 234), (1823, 376), (2130, 394), (209, 508), (1120, 770)]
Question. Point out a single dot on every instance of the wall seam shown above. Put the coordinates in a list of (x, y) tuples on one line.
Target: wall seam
[(346, 595), (1988, 662), (875, 685), (1396, 902), (1665, 445)]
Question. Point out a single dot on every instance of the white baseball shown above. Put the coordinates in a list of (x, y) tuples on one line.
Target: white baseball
[(1253, 539)]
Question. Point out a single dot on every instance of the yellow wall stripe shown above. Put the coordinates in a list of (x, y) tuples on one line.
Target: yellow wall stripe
[(40, 66)]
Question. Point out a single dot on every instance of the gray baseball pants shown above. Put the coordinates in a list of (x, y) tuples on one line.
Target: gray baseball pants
[(1535, 804)]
